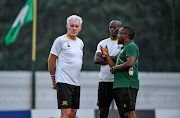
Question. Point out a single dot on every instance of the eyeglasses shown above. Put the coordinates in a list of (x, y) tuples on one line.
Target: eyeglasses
[(120, 33)]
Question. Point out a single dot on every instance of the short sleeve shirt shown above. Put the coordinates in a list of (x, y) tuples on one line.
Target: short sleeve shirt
[(122, 78), (69, 61), (113, 50)]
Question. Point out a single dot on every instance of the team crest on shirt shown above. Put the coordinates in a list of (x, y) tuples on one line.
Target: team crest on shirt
[(68, 44), (119, 46), (65, 103)]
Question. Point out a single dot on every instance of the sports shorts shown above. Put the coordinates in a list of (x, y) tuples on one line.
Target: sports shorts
[(125, 99), (68, 96), (105, 94)]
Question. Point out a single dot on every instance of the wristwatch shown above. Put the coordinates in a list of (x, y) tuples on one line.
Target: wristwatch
[(104, 57), (113, 69)]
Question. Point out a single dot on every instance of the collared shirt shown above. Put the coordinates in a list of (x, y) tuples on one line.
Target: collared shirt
[(113, 49), (122, 78), (69, 62)]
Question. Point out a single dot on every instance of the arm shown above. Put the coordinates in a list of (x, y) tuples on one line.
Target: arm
[(125, 66), (98, 59), (114, 58), (105, 52), (52, 68)]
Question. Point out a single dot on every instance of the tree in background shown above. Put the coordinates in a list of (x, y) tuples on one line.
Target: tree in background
[(155, 22)]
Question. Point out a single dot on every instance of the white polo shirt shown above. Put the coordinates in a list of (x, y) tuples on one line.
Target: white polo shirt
[(113, 50), (69, 61)]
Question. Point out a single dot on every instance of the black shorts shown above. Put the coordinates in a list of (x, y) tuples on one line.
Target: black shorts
[(68, 96), (105, 94), (125, 99)]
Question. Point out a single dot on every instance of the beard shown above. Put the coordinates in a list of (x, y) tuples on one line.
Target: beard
[(114, 36), (119, 42)]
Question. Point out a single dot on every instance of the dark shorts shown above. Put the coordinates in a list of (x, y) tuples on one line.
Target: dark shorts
[(125, 99), (68, 96), (105, 94)]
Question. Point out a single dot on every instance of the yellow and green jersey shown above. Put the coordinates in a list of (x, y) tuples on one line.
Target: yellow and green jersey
[(128, 78)]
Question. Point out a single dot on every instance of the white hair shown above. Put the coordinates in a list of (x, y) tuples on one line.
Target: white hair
[(74, 18)]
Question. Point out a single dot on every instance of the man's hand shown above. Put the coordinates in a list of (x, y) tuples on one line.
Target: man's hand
[(52, 68), (111, 70), (104, 50), (53, 81)]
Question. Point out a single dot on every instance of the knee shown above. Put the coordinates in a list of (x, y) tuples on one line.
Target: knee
[(103, 115), (73, 113), (103, 112), (65, 112), (130, 114), (122, 116)]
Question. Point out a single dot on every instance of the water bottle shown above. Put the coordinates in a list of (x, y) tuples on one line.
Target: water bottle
[(131, 72)]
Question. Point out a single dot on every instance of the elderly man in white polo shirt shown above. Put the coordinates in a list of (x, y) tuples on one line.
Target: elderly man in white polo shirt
[(64, 64)]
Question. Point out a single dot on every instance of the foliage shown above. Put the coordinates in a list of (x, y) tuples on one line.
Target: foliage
[(155, 22)]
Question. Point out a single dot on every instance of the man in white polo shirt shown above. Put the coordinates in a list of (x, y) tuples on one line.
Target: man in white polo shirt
[(64, 64), (105, 89)]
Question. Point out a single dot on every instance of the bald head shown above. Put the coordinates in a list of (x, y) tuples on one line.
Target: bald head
[(114, 26), (117, 23)]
